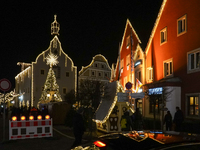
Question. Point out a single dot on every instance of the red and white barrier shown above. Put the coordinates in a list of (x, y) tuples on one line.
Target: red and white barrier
[(30, 128)]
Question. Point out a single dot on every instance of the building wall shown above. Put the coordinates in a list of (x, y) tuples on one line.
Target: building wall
[(35, 82), (98, 69), (177, 45)]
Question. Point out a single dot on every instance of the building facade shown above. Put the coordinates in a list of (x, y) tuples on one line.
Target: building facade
[(130, 65), (32, 77), (172, 56), (98, 69)]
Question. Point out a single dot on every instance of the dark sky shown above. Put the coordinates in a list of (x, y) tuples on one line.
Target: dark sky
[(87, 28)]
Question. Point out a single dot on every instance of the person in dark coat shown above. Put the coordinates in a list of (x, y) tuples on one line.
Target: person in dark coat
[(78, 127), (178, 119), (137, 119), (168, 121)]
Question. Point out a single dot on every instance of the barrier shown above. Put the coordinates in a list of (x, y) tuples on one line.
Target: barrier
[(30, 128)]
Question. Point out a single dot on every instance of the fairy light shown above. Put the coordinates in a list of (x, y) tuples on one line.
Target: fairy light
[(9, 96), (52, 59), (43, 55), (118, 89), (93, 60), (155, 25)]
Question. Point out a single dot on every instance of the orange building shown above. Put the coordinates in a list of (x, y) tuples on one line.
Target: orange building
[(173, 57), (130, 63)]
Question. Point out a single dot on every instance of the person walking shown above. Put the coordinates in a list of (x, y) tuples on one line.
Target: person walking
[(78, 127), (178, 119), (168, 121)]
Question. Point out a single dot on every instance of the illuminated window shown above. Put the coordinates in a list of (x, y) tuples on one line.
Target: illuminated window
[(149, 74), (168, 68), (194, 60), (182, 25), (193, 105), (42, 71), (64, 90), (67, 74), (163, 36), (128, 42)]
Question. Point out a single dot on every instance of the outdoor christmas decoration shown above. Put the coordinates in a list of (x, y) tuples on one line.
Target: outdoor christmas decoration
[(50, 92)]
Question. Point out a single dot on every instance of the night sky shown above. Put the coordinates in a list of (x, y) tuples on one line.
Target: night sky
[(87, 28)]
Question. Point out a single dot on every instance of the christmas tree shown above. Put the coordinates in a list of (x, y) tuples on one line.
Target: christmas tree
[(50, 92)]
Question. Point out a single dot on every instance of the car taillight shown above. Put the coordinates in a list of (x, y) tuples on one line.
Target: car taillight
[(99, 144)]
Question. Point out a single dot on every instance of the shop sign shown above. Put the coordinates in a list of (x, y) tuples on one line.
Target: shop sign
[(155, 91)]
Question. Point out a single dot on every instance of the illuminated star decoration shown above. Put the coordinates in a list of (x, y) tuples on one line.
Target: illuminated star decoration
[(52, 60)]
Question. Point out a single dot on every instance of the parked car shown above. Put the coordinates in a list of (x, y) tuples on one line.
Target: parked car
[(143, 140)]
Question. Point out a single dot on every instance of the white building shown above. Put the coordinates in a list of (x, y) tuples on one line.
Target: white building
[(33, 75)]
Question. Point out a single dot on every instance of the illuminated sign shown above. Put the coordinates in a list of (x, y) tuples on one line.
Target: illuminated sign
[(155, 91), (138, 63)]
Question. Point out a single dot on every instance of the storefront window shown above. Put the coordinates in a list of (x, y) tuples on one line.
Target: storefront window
[(151, 106), (193, 106)]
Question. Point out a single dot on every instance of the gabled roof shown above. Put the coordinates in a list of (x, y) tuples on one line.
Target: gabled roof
[(97, 57), (155, 26), (61, 52), (123, 38)]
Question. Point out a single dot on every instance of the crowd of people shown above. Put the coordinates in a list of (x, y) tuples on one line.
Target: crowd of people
[(135, 121)]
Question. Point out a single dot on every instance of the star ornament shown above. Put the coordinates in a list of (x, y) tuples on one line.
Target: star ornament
[(52, 60)]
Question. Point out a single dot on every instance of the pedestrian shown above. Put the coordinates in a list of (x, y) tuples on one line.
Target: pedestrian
[(126, 122), (178, 119), (168, 121), (137, 119), (78, 127)]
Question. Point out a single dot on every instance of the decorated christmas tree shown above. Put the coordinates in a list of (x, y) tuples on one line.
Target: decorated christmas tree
[(50, 92)]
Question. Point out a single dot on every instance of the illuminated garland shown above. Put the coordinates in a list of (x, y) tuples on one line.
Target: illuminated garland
[(9, 96)]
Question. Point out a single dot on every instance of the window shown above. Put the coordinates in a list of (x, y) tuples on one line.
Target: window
[(93, 73), (149, 74), (182, 25), (64, 90), (193, 105), (100, 74), (138, 76), (163, 36), (194, 60), (96, 65), (151, 106), (106, 74), (42, 71), (67, 74), (128, 61), (128, 42), (102, 66), (168, 68), (125, 81)]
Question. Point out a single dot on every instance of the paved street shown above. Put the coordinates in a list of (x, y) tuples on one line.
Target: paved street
[(62, 140)]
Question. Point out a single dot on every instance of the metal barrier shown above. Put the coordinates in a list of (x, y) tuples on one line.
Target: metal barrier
[(30, 128)]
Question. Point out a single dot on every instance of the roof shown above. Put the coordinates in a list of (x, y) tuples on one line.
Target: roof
[(97, 57), (108, 102)]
